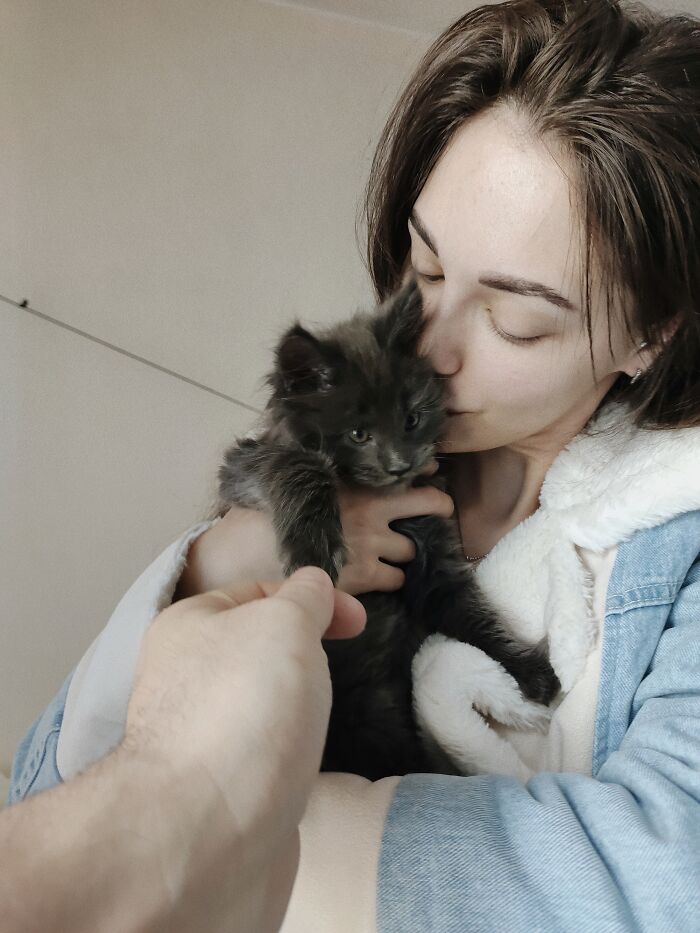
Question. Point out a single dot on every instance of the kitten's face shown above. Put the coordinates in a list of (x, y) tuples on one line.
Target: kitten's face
[(382, 433), (362, 395)]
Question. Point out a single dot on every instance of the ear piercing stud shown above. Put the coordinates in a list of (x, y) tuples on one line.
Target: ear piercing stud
[(638, 374)]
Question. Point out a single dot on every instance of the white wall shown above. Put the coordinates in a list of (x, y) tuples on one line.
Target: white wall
[(180, 179)]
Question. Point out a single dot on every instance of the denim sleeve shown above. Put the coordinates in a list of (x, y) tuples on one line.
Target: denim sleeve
[(619, 851), (34, 764)]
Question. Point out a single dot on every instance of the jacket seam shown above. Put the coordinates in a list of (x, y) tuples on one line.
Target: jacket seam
[(631, 599), (30, 783), (635, 598)]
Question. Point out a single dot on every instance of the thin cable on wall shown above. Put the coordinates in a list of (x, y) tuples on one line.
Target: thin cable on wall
[(24, 306)]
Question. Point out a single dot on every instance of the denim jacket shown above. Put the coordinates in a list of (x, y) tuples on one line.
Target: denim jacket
[(618, 850)]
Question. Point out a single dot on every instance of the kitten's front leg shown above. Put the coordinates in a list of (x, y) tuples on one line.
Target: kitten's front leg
[(299, 488), (306, 514)]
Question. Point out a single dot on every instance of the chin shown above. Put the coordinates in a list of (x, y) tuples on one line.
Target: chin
[(464, 442), (455, 446), (455, 440)]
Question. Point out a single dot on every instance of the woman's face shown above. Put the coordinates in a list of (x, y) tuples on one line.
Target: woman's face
[(495, 248)]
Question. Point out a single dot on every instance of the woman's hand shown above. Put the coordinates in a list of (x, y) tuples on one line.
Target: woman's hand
[(365, 516), (242, 545)]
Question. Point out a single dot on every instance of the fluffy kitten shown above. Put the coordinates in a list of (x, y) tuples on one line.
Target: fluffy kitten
[(357, 404)]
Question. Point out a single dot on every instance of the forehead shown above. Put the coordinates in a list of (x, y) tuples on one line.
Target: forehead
[(499, 199)]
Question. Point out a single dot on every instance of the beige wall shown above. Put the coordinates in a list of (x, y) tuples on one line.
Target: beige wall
[(179, 179)]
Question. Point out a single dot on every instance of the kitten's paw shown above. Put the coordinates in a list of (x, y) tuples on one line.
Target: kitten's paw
[(536, 677), (329, 556), (524, 715)]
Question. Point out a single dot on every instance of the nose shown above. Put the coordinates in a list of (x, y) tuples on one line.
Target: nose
[(397, 466), (441, 342)]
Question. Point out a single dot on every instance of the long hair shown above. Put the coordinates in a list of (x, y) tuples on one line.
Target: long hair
[(619, 87)]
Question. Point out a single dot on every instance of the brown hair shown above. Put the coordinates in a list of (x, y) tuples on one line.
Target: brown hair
[(619, 87)]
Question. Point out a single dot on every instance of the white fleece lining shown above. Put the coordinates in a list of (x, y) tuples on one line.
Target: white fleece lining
[(542, 576)]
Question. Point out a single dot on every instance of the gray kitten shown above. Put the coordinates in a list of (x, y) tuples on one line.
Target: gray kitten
[(357, 404)]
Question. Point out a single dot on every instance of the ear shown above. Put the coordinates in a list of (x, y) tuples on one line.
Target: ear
[(645, 353), (302, 364), (401, 325)]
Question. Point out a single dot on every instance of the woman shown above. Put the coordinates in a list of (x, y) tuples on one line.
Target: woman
[(541, 176)]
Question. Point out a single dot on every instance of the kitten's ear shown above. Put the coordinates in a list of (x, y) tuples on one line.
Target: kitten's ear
[(302, 363), (401, 325)]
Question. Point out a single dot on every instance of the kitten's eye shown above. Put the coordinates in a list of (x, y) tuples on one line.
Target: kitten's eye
[(359, 435), (412, 420)]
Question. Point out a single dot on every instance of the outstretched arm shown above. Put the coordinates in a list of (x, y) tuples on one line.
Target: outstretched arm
[(191, 823), (112, 849)]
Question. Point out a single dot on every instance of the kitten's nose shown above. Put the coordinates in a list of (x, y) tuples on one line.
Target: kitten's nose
[(397, 467)]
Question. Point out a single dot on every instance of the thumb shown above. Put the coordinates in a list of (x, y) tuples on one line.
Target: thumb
[(312, 591)]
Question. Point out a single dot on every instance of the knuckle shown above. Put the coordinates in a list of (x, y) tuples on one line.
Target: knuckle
[(390, 578), (291, 614)]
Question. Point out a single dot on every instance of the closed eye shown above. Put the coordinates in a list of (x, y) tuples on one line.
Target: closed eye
[(511, 338)]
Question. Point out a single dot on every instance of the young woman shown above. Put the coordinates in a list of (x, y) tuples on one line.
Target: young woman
[(540, 175)]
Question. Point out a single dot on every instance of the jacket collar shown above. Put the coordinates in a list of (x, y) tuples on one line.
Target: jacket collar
[(616, 479), (610, 482), (614, 484)]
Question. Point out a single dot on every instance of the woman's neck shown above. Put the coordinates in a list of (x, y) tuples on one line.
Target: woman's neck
[(495, 490), (502, 485)]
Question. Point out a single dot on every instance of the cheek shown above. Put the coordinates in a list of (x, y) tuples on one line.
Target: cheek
[(361, 455), (516, 393), (495, 373)]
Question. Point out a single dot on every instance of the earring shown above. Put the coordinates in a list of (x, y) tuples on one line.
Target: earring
[(638, 374)]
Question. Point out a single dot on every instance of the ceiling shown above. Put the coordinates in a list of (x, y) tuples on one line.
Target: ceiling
[(425, 16), (431, 16)]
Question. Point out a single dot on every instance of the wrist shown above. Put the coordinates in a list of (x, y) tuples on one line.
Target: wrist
[(218, 866), (190, 582), (120, 848), (241, 546)]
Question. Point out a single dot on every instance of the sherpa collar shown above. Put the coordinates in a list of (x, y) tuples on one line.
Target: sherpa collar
[(608, 483)]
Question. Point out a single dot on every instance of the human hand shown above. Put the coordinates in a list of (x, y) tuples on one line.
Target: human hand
[(232, 696), (365, 516), (237, 680)]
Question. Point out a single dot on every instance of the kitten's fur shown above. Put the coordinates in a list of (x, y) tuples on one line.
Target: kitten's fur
[(366, 375)]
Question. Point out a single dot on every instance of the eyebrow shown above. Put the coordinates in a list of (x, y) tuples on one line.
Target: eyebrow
[(504, 283)]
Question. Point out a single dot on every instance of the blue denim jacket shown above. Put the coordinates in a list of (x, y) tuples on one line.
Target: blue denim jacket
[(618, 851)]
